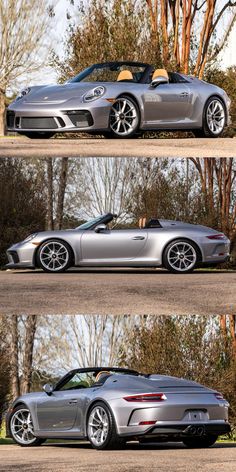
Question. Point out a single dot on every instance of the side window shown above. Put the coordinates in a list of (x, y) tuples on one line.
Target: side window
[(80, 380)]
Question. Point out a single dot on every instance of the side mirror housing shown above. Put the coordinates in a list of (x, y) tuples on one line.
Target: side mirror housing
[(158, 81), (100, 228), (48, 389)]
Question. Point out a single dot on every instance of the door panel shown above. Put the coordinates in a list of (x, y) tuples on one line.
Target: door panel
[(58, 411), (112, 245), (167, 103)]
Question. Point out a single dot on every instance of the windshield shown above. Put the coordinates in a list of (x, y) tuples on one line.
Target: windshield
[(89, 223), (110, 72), (79, 380)]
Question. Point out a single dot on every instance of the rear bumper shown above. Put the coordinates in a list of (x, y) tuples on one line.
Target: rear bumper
[(183, 430), (214, 252)]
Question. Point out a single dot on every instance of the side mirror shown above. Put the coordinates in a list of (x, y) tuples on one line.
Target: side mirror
[(159, 80), (48, 389), (100, 228)]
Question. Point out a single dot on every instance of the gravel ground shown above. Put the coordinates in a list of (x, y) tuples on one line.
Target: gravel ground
[(104, 291), (134, 458), (188, 147)]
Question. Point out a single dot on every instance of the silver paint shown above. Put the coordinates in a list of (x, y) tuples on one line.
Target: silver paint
[(124, 247)]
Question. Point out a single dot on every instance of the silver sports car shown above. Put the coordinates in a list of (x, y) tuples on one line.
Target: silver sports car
[(109, 406), (178, 246), (120, 100)]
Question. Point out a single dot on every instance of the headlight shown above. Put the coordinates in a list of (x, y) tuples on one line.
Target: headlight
[(93, 94), (23, 93), (30, 237)]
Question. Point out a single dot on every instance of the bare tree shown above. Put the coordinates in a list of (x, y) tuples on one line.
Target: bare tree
[(61, 192), (218, 183), (22, 339), (23, 38), (30, 329), (107, 185), (49, 185), (64, 341), (178, 24), (15, 381)]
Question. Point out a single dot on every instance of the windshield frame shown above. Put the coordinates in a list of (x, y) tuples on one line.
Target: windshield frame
[(91, 224), (85, 72)]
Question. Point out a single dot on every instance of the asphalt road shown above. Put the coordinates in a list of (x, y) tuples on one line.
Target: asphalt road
[(134, 458), (118, 291), (188, 147)]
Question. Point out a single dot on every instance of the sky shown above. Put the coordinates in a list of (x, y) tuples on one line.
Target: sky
[(60, 23)]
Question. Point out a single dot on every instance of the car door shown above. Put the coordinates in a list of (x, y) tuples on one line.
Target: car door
[(112, 246), (58, 412), (167, 104)]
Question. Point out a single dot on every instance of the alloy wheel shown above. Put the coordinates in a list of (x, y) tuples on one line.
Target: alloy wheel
[(215, 116), (54, 256), (98, 426), (22, 427), (123, 117), (181, 256)]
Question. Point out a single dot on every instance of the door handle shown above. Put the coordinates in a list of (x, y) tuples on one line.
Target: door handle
[(138, 238), (71, 402), (184, 94)]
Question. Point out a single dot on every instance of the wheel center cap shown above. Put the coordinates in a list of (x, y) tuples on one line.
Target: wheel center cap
[(25, 426), (54, 256), (181, 256), (122, 116)]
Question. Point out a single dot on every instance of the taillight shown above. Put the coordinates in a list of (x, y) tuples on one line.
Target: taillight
[(146, 397), (217, 236), (219, 396)]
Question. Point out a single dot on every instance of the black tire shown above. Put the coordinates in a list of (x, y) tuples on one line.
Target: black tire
[(112, 441), (205, 131), (35, 442), (111, 134), (107, 135), (69, 256), (198, 442), (199, 133), (167, 255), (38, 135)]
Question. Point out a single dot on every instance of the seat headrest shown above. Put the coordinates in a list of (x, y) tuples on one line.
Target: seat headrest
[(160, 73), (125, 75), (142, 222)]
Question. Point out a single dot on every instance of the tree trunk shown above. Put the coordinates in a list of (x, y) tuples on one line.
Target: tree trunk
[(232, 321), (61, 192), (2, 113), (15, 383), (30, 328), (49, 222)]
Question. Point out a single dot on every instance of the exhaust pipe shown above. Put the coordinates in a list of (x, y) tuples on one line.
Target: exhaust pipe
[(195, 430), (192, 430), (200, 430)]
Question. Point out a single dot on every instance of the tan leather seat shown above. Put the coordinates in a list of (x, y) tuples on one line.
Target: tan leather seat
[(160, 73), (142, 222), (125, 75)]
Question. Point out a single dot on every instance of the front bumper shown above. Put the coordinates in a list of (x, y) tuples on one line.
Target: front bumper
[(21, 256), (23, 117)]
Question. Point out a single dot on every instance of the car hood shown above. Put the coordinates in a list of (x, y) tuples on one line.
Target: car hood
[(59, 93)]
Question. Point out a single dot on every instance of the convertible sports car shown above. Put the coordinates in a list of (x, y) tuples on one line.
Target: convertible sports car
[(109, 406), (120, 100), (178, 246)]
